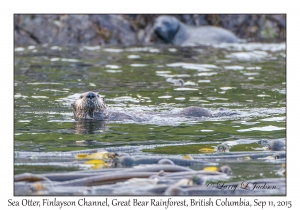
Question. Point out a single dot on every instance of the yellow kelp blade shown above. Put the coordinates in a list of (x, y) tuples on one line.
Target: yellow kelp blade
[(97, 155), (187, 157), (282, 170), (208, 150), (38, 186), (210, 168), (81, 156)]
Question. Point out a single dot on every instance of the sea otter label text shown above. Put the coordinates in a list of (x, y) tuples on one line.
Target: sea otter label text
[(166, 203)]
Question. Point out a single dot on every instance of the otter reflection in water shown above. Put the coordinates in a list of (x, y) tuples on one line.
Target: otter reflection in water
[(89, 126), (91, 106)]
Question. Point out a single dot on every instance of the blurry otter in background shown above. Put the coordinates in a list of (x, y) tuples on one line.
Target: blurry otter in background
[(173, 31)]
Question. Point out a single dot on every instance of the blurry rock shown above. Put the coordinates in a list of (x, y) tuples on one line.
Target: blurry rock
[(73, 29)]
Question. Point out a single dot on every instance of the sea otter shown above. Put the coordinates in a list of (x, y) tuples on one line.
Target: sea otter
[(91, 106)]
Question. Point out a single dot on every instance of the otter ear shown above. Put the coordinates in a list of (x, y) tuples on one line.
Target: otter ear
[(73, 106)]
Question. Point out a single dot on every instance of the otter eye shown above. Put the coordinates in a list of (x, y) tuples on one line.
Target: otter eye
[(81, 96), (98, 96)]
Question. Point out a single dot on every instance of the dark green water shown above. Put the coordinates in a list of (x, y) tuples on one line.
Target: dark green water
[(249, 79)]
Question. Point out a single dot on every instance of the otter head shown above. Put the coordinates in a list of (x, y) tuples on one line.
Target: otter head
[(166, 27), (90, 106)]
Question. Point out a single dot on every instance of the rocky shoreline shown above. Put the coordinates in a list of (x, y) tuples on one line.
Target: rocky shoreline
[(125, 29)]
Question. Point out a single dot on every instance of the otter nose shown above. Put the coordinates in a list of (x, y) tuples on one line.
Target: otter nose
[(91, 95)]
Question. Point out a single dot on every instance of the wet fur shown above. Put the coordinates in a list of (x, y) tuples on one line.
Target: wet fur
[(90, 106)]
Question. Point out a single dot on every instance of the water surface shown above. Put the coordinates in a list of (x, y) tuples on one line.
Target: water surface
[(248, 79)]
